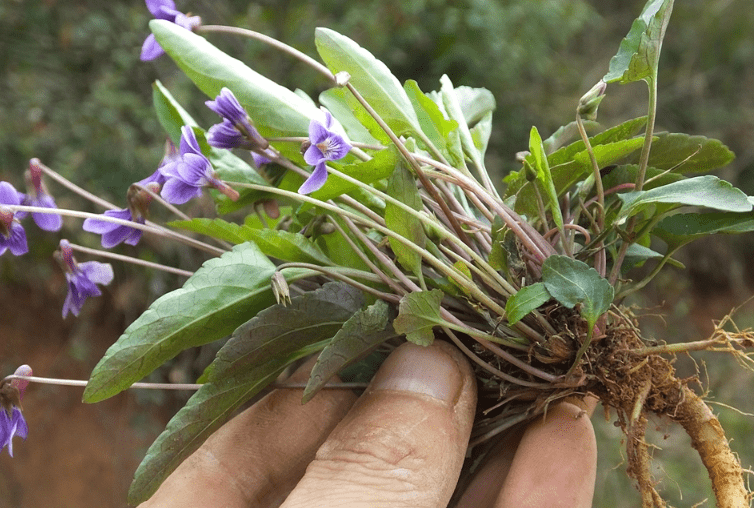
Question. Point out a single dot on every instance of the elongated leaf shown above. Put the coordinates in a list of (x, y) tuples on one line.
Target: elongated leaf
[(450, 99), (673, 149), (211, 406), (708, 191), (275, 243), (221, 295), (402, 187), (684, 227), (572, 282), (526, 300), (433, 123), (275, 110), (370, 77), (481, 132), (418, 313), (639, 52), (544, 176), (365, 330)]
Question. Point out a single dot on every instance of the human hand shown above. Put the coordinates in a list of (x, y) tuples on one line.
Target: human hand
[(401, 444)]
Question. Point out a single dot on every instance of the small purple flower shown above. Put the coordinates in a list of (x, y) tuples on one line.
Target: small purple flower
[(187, 176), (236, 130), (12, 422), (82, 278), (12, 234), (113, 234), (165, 9), (260, 160), (38, 196), (328, 143)]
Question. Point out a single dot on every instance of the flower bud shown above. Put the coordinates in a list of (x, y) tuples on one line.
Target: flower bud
[(589, 103), (280, 289)]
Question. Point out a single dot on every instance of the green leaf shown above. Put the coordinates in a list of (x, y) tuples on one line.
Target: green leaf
[(481, 132), (275, 110), (708, 191), (211, 406), (402, 186), (222, 294), (526, 300), (371, 78), (544, 177), (433, 123), (703, 154), (418, 313), (564, 176), (450, 99), (378, 167), (684, 227), (281, 330), (639, 52), (572, 282), (170, 113), (365, 330), (475, 103), (279, 244), (621, 132)]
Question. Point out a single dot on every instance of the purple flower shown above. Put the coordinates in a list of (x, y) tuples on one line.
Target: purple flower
[(113, 234), (187, 175), (328, 143), (12, 422), (165, 9), (82, 278), (38, 196), (259, 159), (12, 234), (236, 130)]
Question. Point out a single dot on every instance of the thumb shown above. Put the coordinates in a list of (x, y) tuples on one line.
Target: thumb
[(403, 443)]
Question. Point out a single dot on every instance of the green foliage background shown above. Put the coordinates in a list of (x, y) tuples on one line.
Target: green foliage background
[(74, 93)]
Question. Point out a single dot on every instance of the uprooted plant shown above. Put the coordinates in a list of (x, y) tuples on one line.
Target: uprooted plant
[(397, 230)]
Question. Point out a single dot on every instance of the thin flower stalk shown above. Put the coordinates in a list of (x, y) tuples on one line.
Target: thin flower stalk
[(347, 275), (130, 259), (148, 227), (250, 34)]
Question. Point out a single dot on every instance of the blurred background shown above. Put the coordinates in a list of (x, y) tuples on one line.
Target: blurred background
[(74, 94)]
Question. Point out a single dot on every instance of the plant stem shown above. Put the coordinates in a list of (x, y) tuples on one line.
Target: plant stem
[(132, 260), (149, 228), (344, 274), (250, 34)]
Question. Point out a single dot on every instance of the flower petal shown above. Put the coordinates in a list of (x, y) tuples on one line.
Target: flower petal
[(99, 273), (156, 7), (177, 192), (316, 180), (151, 49), (189, 144), (313, 155)]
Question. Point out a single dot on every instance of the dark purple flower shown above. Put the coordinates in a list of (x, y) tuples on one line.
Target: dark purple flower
[(236, 130), (38, 196), (113, 234), (187, 176), (12, 234), (82, 278), (328, 143), (165, 9), (12, 422)]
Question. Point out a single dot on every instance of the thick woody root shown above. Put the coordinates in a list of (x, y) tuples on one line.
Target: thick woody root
[(640, 464), (708, 438)]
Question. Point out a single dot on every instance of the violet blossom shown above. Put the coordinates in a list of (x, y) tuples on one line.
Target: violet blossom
[(165, 9), (12, 422), (236, 129), (37, 195), (82, 278), (12, 234), (328, 143), (188, 175), (137, 211)]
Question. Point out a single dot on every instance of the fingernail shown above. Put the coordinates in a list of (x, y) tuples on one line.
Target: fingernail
[(421, 370)]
